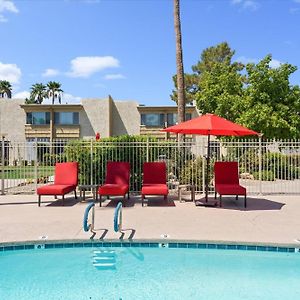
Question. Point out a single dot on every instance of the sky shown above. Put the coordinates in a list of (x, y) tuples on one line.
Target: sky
[(126, 49)]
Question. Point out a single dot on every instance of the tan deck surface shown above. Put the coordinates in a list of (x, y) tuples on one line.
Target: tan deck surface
[(267, 219)]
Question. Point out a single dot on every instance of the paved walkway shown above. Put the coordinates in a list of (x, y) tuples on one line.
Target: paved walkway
[(268, 219)]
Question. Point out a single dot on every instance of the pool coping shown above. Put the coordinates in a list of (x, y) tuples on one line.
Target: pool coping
[(162, 243)]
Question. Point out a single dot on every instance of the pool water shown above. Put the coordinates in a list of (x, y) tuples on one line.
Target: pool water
[(148, 273)]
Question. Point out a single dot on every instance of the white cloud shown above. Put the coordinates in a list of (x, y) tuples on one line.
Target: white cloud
[(85, 66), (50, 73), (3, 19), (21, 95), (7, 6), (294, 10), (246, 4), (274, 63), (69, 98), (10, 72), (114, 76), (247, 60)]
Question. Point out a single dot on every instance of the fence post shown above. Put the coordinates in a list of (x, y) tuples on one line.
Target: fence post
[(91, 166), (147, 149), (36, 164), (260, 164), (2, 165)]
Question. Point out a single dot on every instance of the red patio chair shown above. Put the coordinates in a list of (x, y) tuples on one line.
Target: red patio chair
[(116, 180), (154, 180), (227, 180), (65, 181)]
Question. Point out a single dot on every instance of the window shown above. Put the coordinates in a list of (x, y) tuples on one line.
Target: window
[(172, 118), (66, 118), (153, 120), (38, 118)]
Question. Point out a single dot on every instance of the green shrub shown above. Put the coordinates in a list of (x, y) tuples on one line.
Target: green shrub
[(265, 175), (94, 155), (191, 173)]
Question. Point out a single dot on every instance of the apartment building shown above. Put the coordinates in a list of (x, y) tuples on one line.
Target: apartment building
[(44, 122)]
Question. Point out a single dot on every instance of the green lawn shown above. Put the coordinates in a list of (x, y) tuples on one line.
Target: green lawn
[(26, 172)]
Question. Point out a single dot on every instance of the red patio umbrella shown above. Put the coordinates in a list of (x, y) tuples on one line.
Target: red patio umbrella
[(210, 124)]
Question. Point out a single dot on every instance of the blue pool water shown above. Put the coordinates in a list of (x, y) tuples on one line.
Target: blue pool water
[(148, 273)]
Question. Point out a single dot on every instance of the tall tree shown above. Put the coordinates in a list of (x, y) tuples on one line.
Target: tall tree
[(221, 53), (54, 91), (5, 89), (38, 92), (220, 89), (179, 64), (271, 104)]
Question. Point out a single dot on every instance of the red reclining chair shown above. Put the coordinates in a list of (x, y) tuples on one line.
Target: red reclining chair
[(116, 181), (65, 181), (154, 180), (227, 180)]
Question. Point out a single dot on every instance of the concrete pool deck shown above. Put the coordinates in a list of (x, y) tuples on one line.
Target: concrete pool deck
[(266, 220)]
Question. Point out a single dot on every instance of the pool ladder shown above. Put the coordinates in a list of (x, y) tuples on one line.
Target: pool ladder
[(104, 259)]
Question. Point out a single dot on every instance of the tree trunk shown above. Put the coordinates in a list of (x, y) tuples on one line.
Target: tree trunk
[(179, 66)]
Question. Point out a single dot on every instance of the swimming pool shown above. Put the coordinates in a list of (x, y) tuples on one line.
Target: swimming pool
[(147, 271)]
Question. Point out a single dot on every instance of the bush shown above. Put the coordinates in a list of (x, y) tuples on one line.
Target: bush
[(191, 173), (93, 156), (265, 175), (283, 166)]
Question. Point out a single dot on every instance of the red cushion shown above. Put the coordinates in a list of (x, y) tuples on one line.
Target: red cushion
[(55, 189), (155, 189), (66, 173), (117, 172), (154, 173), (230, 189), (113, 189), (226, 172)]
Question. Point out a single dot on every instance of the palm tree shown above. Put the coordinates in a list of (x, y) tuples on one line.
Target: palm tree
[(179, 64), (54, 91), (5, 89), (38, 92)]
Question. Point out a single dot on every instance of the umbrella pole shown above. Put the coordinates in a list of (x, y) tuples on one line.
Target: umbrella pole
[(207, 168)]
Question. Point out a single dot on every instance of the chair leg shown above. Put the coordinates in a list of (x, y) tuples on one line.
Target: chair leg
[(55, 196), (75, 194), (220, 200), (100, 200), (124, 200), (237, 197), (63, 199), (143, 197), (215, 195), (39, 200), (165, 197), (245, 201), (128, 196)]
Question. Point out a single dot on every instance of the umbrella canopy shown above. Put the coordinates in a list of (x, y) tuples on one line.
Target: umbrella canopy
[(210, 124)]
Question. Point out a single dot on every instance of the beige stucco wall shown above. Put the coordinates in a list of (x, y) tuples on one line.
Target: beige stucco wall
[(125, 118), (12, 119), (95, 117)]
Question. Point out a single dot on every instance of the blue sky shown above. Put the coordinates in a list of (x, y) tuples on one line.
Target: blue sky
[(127, 48)]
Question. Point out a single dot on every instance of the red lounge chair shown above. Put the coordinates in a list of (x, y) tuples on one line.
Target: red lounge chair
[(65, 181), (154, 180), (116, 181), (227, 180)]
